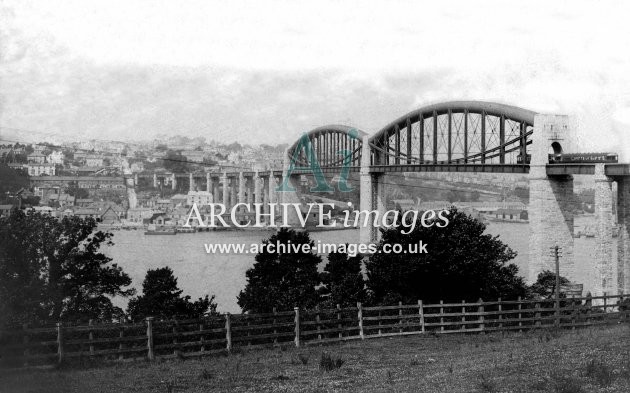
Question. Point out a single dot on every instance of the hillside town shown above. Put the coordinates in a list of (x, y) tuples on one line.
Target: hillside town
[(84, 179)]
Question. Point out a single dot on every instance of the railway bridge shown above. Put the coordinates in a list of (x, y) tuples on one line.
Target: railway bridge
[(461, 136)]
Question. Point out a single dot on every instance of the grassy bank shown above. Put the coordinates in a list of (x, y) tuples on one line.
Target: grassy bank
[(591, 360)]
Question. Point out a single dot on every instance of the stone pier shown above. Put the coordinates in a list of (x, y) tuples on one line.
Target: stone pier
[(226, 190), (216, 194), (173, 182), (233, 191), (257, 188), (191, 182), (241, 188), (290, 195), (604, 221), (551, 200), (250, 191), (372, 198), (623, 239)]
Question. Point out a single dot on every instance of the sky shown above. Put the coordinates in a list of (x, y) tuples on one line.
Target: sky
[(266, 71)]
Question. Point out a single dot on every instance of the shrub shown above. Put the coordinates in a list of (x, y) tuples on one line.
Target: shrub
[(329, 363), (303, 358), (206, 374), (599, 371)]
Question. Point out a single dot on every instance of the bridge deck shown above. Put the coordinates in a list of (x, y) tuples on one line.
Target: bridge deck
[(587, 169)]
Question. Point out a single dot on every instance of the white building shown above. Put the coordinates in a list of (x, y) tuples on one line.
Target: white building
[(41, 169), (36, 158), (56, 157)]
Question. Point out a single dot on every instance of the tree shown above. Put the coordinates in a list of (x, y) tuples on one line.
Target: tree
[(175, 162), (461, 263), (79, 193), (161, 298), (282, 278), (52, 270), (545, 285), (12, 180), (343, 281)]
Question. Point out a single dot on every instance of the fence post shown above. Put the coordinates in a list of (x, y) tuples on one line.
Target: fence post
[(520, 322), (400, 318), (441, 318), (91, 337), (421, 312), (500, 308), (463, 315), (150, 353), (228, 332), (573, 313), (318, 319), (25, 342), (174, 330), (60, 350), (120, 344), (537, 315), (605, 306), (480, 310), (556, 306), (275, 331), (339, 326), (360, 318), (202, 347), (297, 326)]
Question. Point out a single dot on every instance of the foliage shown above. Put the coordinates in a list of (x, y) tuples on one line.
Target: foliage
[(53, 270), (545, 285), (12, 180), (282, 279), (461, 263), (161, 298), (343, 281), (74, 190), (330, 363), (175, 162)]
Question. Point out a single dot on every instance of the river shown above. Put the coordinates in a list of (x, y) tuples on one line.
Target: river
[(223, 275)]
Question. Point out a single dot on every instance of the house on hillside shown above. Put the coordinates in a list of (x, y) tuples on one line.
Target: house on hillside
[(84, 202), (110, 216), (39, 169), (36, 158)]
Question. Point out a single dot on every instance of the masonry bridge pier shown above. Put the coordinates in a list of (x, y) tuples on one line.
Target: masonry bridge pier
[(460, 136)]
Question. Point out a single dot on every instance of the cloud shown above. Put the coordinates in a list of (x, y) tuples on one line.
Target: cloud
[(135, 70)]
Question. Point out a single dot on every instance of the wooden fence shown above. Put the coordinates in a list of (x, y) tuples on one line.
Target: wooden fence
[(152, 338)]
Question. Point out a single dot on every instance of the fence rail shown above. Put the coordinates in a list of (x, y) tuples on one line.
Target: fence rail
[(199, 337)]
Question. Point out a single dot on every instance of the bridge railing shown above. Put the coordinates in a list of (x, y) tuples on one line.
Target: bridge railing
[(153, 338)]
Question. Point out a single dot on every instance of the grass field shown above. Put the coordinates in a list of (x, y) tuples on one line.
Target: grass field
[(591, 360)]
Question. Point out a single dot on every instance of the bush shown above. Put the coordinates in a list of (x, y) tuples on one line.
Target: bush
[(599, 371), (329, 363)]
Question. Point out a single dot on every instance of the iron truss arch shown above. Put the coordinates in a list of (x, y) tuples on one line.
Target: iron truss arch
[(455, 133), (328, 142)]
